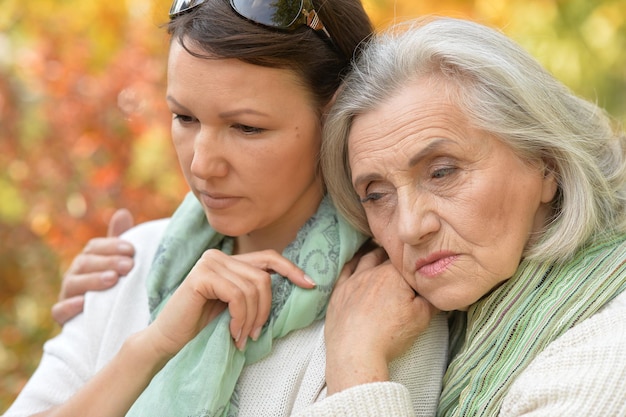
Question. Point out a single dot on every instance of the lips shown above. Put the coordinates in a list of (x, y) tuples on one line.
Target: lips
[(216, 201), (435, 263)]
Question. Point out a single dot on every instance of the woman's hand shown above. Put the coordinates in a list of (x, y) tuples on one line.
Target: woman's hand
[(373, 317), (218, 281), (98, 267)]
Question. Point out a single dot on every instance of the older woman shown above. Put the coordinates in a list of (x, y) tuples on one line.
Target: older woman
[(499, 196)]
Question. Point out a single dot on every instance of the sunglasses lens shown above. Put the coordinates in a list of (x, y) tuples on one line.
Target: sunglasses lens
[(279, 14), (180, 6)]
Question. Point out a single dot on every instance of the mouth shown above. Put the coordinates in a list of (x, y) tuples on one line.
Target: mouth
[(435, 263), (216, 201)]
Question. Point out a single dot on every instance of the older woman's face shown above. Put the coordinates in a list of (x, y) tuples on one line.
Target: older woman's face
[(453, 206)]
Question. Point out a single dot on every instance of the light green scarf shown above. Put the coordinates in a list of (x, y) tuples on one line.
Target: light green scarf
[(507, 329), (200, 380)]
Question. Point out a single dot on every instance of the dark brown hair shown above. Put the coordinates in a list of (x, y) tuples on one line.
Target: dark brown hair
[(221, 32)]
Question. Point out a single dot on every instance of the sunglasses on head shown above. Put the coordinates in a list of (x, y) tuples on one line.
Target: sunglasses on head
[(278, 14)]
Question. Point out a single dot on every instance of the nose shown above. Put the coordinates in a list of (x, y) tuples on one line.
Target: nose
[(416, 217), (209, 156)]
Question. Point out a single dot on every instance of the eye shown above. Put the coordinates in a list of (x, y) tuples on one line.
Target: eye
[(248, 130), (183, 119), (442, 172), (371, 197)]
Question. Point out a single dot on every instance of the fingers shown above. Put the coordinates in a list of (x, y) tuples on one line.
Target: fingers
[(78, 284), (272, 261), (109, 246), (244, 287), (67, 309), (98, 267), (369, 256), (376, 309), (121, 221), (371, 259), (101, 261), (243, 283)]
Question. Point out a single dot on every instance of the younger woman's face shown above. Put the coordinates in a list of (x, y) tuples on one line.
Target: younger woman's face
[(247, 139)]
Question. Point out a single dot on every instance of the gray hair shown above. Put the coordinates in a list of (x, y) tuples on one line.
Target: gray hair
[(505, 91)]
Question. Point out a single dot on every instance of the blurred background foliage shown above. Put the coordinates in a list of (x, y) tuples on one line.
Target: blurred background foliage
[(84, 128)]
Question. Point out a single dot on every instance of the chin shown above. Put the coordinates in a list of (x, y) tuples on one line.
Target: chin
[(448, 302), (226, 227)]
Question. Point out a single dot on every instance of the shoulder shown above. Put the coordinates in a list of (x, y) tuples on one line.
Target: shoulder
[(88, 341), (580, 373), (110, 316), (148, 232)]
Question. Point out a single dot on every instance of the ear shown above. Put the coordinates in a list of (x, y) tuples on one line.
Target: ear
[(550, 183)]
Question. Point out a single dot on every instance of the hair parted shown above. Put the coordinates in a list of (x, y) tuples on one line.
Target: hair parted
[(221, 33)]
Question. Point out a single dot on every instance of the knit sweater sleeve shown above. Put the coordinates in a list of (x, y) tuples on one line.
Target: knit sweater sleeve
[(92, 338), (368, 400), (414, 389), (581, 373)]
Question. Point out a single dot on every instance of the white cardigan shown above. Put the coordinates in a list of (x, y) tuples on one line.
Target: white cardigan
[(287, 381), (582, 373)]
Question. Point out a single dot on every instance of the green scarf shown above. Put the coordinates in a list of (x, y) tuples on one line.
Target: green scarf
[(200, 380), (508, 328)]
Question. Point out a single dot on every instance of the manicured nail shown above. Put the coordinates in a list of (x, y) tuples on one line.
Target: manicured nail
[(256, 333), (125, 265), (108, 277), (243, 344), (125, 247), (309, 280)]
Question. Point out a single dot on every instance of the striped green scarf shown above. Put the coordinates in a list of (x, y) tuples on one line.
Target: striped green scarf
[(508, 328), (201, 379)]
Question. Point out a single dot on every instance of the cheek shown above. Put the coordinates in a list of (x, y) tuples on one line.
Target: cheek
[(184, 152), (288, 170), (384, 234), (378, 228)]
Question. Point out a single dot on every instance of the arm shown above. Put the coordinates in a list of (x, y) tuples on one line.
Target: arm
[(90, 340), (98, 267), (216, 282), (123, 380), (373, 317)]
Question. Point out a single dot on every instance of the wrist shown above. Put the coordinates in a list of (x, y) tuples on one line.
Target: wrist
[(141, 347), (353, 368)]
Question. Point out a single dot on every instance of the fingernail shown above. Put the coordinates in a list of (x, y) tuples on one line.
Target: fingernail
[(108, 277), (125, 247), (243, 344), (309, 280), (256, 333), (238, 336), (125, 265)]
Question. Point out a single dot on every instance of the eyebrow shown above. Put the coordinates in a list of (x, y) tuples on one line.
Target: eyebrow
[(415, 159), (428, 149), (237, 112), (223, 115), (176, 103)]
